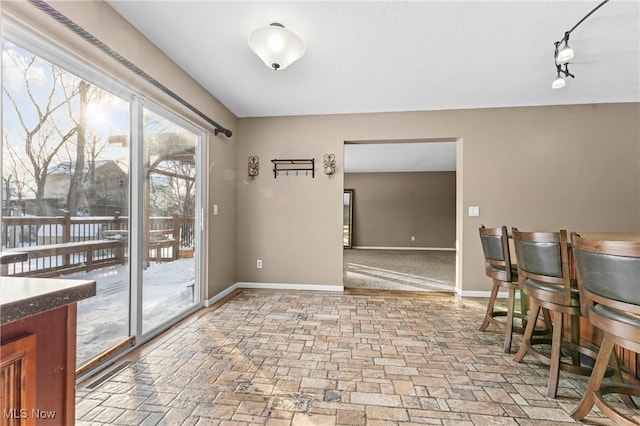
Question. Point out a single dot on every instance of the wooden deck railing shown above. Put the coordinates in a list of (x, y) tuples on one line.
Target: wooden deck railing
[(63, 244)]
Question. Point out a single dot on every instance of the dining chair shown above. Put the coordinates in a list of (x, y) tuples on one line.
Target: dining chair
[(543, 261), (498, 267), (608, 276)]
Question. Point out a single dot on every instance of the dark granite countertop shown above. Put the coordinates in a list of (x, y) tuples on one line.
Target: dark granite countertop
[(23, 297)]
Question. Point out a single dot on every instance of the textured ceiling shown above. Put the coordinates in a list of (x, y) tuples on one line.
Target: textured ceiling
[(369, 56)]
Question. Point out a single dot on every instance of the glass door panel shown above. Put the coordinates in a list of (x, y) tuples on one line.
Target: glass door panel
[(169, 219), (103, 320)]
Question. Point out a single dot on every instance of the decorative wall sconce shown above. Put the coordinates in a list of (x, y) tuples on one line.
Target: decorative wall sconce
[(329, 164), (254, 166), (563, 53)]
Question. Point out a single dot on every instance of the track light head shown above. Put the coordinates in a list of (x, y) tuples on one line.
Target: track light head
[(565, 54), (559, 82)]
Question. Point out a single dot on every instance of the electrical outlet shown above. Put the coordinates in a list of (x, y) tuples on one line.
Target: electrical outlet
[(413, 238), (259, 264)]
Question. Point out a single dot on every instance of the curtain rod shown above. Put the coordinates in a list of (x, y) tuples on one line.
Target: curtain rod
[(45, 7)]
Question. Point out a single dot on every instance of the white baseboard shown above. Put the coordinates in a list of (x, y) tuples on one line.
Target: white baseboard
[(220, 295), (279, 286), (337, 288), (404, 248), (273, 286)]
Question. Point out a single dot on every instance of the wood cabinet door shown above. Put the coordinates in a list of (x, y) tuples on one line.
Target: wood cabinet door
[(18, 381)]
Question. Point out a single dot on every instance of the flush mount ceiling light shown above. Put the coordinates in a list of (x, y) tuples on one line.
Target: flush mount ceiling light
[(276, 46), (563, 53)]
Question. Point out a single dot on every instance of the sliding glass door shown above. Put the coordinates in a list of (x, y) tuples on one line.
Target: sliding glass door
[(65, 182), (92, 170)]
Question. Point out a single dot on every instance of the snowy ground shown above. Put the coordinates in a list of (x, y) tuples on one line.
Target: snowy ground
[(103, 320)]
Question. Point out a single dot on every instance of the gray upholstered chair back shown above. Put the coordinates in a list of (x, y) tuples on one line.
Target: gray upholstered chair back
[(495, 245), (492, 247), (611, 276), (543, 265), (539, 258)]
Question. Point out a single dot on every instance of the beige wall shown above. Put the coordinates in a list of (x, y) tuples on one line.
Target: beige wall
[(389, 208), (105, 24), (538, 168), (293, 223)]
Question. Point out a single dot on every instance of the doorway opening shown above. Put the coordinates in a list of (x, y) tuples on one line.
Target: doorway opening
[(403, 215)]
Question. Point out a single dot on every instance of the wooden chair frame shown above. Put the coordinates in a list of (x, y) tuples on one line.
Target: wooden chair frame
[(500, 272), (614, 332), (562, 304)]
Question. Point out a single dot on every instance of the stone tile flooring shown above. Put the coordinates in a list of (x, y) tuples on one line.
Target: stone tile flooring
[(317, 358)]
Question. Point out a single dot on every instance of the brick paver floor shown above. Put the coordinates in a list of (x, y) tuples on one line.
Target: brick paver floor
[(318, 358)]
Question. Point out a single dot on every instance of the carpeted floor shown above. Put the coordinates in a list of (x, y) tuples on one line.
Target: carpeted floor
[(408, 270)]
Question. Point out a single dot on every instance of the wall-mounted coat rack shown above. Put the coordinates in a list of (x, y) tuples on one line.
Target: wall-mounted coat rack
[(294, 165)]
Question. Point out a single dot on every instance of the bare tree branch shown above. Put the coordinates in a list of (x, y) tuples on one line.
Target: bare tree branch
[(43, 138)]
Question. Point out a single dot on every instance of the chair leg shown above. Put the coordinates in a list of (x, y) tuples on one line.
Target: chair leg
[(599, 370), (556, 345), (508, 331), (547, 319), (528, 332), (492, 300), (575, 338), (616, 377), (524, 306)]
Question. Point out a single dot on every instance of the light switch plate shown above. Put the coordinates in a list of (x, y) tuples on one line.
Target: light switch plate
[(474, 211)]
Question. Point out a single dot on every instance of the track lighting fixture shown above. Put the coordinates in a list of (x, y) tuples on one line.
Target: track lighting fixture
[(563, 54), (560, 81)]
